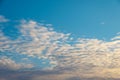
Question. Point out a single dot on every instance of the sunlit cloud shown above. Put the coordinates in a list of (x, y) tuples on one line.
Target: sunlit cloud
[(7, 63), (85, 56)]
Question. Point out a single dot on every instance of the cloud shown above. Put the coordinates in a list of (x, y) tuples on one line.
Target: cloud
[(28, 74), (45, 75), (3, 19), (35, 39), (7, 63), (87, 57), (74, 78), (116, 38)]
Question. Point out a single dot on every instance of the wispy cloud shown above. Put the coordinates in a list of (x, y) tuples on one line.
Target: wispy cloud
[(85, 56)]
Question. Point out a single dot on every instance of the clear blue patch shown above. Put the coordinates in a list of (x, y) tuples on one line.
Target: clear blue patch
[(10, 30)]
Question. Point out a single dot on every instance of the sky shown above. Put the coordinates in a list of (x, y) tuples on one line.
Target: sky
[(59, 39), (82, 18)]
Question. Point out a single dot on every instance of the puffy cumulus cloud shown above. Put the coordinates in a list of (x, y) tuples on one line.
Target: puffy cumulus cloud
[(85, 57), (3, 19), (7, 63)]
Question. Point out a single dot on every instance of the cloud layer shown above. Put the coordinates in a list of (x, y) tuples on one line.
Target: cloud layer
[(87, 57)]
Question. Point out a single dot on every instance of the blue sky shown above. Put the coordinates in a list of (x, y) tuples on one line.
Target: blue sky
[(91, 18), (66, 39)]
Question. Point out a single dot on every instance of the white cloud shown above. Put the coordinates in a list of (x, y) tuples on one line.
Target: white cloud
[(7, 63), (116, 38), (84, 55), (3, 19)]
